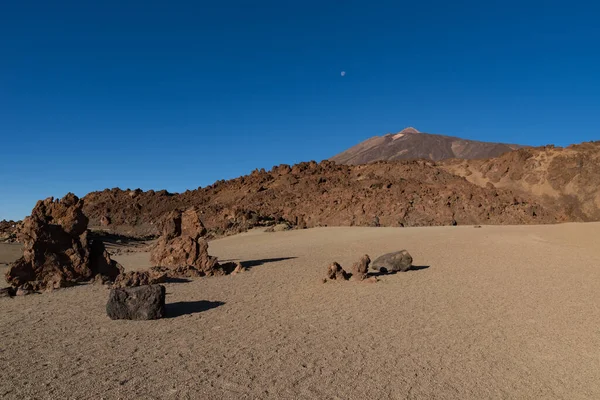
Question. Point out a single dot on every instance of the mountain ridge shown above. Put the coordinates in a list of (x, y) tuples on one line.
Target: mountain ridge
[(410, 143)]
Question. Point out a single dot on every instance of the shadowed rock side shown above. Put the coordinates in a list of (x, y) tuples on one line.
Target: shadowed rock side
[(566, 181), (411, 144), (57, 250), (405, 193)]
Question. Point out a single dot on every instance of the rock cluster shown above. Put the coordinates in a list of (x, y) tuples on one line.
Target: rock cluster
[(399, 261), (57, 248)]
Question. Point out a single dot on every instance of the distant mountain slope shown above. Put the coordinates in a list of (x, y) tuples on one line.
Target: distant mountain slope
[(412, 144)]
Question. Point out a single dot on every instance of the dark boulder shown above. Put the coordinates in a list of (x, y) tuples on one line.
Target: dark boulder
[(399, 261), (136, 303)]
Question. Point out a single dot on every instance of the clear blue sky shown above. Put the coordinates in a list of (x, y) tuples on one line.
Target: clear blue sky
[(175, 95)]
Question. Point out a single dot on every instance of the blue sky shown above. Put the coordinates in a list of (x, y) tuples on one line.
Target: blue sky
[(175, 95)]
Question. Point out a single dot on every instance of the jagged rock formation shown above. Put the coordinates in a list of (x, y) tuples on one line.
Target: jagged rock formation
[(181, 250), (405, 193), (411, 144), (57, 249)]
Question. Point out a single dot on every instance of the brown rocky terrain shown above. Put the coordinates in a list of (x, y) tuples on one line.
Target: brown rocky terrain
[(411, 144), (8, 230), (564, 180), (407, 193)]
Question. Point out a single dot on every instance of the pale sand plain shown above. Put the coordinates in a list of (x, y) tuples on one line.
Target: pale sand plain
[(501, 312)]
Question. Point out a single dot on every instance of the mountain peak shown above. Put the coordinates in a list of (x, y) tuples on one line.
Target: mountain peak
[(409, 129), (409, 143)]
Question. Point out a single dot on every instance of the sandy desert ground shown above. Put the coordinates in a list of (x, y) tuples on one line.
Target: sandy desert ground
[(502, 312)]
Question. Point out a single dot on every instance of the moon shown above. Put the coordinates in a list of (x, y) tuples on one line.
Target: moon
[(343, 73)]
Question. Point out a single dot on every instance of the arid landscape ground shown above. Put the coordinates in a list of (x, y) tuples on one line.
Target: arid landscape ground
[(501, 301), (494, 312)]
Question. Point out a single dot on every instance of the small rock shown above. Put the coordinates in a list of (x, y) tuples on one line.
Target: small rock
[(336, 272), (361, 268), (239, 268), (24, 292), (393, 262), (139, 278), (137, 303)]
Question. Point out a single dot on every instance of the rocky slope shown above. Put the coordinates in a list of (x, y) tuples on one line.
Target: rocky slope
[(412, 144), (407, 193), (565, 180)]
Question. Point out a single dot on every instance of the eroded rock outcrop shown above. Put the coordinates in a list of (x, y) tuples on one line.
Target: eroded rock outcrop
[(57, 249), (181, 250)]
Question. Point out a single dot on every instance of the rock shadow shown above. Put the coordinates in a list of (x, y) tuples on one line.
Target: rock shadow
[(384, 272), (254, 263), (174, 310)]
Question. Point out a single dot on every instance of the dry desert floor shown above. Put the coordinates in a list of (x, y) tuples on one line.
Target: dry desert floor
[(501, 312)]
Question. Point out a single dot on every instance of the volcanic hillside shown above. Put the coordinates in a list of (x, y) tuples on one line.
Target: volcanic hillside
[(565, 179), (408, 193), (412, 144)]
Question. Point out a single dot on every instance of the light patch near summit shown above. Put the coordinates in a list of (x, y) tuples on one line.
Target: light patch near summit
[(397, 136)]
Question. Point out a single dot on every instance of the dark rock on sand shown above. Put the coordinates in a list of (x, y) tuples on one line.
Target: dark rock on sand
[(137, 303), (393, 262)]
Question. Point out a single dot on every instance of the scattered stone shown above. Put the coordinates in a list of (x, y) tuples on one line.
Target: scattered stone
[(336, 272), (8, 292), (100, 279), (57, 249), (361, 268), (24, 292), (136, 303), (393, 262), (477, 226), (239, 268), (139, 278)]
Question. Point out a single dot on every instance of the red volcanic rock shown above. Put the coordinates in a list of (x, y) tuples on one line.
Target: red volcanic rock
[(307, 195), (336, 272), (361, 268), (104, 221), (139, 278), (57, 250), (181, 250)]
